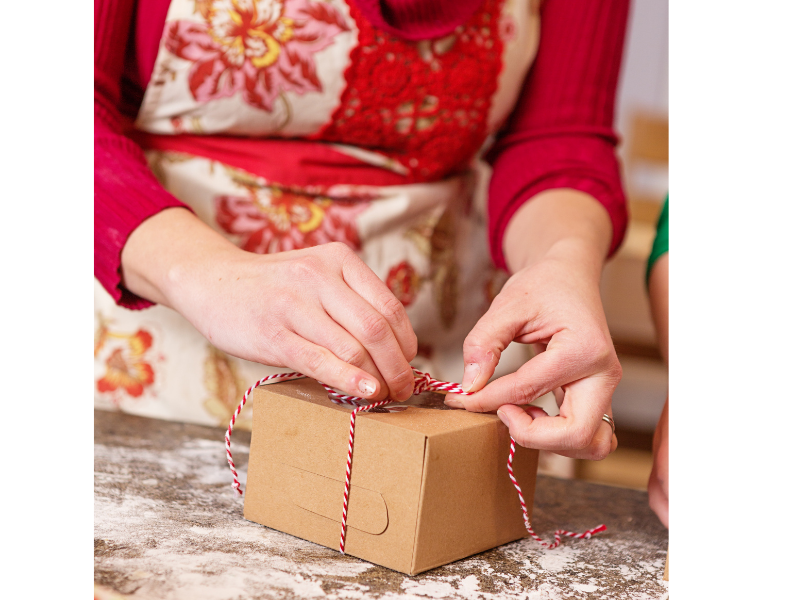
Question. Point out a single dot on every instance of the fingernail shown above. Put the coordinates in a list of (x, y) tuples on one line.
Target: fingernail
[(471, 372), (454, 403), (503, 417), (367, 387)]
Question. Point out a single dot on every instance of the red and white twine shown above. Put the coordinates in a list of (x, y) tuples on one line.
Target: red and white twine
[(423, 383), (559, 532)]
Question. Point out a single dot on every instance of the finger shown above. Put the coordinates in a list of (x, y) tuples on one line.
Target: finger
[(661, 465), (534, 411), (483, 346), (576, 431), (588, 401), (366, 284), (565, 360), (332, 336), (659, 501), (603, 443), (541, 374), (373, 332), (320, 363), (559, 394)]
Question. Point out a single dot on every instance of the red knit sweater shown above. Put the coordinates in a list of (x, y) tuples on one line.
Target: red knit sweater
[(559, 136)]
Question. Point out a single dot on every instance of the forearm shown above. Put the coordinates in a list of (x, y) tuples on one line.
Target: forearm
[(126, 193), (167, 250), (320, 311), (561, 136), (561, 224)]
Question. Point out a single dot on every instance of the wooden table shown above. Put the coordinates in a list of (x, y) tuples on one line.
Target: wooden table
[(168, 526)]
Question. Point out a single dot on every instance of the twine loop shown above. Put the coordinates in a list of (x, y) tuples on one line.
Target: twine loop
[(422, 383)]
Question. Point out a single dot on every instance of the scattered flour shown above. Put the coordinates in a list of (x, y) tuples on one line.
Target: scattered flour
[(177, 533), (557, 559), (429, 588)]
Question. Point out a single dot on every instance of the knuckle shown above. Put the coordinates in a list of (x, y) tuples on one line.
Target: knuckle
[(472, 353), (354, 355), (340, 250), (312, 357), (477, 349), (373, 328), (524, 436), (474, 404), (401, 379), (274, 335), (485, 406), (615, 371), (392, 310), (270, 340), (269, 345), (339, 247), (598, 350), (474, 340), (598, 451), (582, 437), (597, 344), (522, 392), (283, 304), (307, 267)]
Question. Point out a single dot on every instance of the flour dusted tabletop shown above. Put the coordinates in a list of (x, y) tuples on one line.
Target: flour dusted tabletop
[(168, 526)]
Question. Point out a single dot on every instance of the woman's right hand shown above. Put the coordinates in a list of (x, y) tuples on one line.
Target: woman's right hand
[(320, 311)]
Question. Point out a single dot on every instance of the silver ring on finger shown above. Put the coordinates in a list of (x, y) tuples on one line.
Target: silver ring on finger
[(610, 421)]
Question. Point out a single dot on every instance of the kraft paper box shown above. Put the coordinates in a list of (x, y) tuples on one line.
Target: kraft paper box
[(428, 486)]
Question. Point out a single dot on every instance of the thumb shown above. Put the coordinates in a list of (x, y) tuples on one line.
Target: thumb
[(483, 346)]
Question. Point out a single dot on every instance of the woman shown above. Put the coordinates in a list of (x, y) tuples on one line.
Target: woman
[(313, 197)]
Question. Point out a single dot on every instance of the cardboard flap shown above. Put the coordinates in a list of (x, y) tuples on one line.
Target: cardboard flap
[(323, 496)]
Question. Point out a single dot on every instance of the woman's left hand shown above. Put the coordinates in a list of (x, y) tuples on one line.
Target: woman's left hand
[(554, 302), (550, 303)]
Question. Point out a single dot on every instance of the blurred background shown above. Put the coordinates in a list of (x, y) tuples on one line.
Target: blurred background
[(642, 122)]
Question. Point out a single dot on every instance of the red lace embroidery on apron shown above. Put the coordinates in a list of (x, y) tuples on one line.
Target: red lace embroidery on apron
[(422, 104)]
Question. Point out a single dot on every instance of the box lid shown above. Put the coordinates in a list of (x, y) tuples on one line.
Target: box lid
[(425, 413)]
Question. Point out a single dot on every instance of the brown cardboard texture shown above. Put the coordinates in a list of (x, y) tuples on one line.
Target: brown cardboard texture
[(428, 486)]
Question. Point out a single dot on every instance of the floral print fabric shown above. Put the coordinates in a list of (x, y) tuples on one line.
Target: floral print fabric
[(126, 362), (317, 69), (257, 48), (270, 219), (425, 241)]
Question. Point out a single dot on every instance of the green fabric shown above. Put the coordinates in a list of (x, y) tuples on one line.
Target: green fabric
[(661, 243)]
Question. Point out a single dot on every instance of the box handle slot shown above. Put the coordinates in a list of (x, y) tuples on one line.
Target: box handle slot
[(322, 496)]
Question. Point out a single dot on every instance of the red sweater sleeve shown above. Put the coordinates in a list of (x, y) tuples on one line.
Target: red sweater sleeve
[(125, 191), (561, 132)]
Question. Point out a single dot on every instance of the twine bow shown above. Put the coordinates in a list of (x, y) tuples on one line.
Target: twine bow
[(423, 382)]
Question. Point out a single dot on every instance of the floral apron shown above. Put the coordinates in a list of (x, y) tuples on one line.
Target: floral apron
[(318, 71)]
